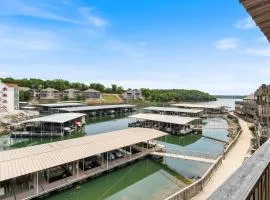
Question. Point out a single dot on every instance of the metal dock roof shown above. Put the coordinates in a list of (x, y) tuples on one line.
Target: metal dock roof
[(56, 118), (191, 105), (164, 118), (172, 109), (22, 161), (55, 105), (92, 108)]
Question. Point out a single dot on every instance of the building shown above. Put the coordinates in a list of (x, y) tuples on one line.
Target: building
[(208, 109), (71, 93), (9, 97), (247, 108), (262, 96), (49, 94), (91, 94), (132, 94)]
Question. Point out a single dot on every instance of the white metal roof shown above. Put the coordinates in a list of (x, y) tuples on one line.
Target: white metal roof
[(191, 105), (172, 109), (56, 118), (51, 105), (89, 108), (18, 162), (164, 118)]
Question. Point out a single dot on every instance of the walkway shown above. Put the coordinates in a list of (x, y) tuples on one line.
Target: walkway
[(233, 160), (183, 157)]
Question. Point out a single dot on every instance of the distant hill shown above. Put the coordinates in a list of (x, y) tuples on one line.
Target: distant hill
[(176, 95)]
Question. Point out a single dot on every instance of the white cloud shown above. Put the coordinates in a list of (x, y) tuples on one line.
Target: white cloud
[(92, 19), (227, 43), (258, 51), (246, 23), (21, 8)]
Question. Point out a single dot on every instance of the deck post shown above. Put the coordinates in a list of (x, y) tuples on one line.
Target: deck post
[(83, 165), (147, 144), (107, 160), (37, 183), (129, 152), (77, 166)]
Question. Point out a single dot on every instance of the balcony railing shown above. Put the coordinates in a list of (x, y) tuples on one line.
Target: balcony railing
[(251, 181)]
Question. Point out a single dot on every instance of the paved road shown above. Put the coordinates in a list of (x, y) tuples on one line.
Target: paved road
[(233, 160)]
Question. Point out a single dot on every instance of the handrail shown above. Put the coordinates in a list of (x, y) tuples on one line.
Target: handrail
[(196, 187)]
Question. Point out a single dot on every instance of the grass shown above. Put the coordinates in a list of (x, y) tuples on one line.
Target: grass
[(111, 99)]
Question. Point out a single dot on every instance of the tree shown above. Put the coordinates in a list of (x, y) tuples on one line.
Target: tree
[(24, 96)]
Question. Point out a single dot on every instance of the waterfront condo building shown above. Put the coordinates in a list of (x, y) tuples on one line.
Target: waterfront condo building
[(262, 95), (132, 94), (9, 97), (247, 108), (91, 94), (49, 94), (71, 93)]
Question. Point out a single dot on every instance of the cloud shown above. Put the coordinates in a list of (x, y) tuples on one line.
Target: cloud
[(92, 19), (21, 8), (246, 23), (258, 51), (227, 43)]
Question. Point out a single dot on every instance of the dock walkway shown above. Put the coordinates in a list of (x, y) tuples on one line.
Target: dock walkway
[(234, 159), (178, 156)]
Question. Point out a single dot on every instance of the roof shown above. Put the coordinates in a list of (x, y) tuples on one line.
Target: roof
[(90, 108), (49, 90), (11, 85), (57, 105), (18, 162), (191, 105), (56, 118), (164, 118), (72, 89), (172, 109), (259, 11), (90, 90), (249, 97)]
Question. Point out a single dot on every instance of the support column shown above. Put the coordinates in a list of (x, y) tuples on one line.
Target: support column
[(77, 166), (37, 183), (129, 152), (107, 161)]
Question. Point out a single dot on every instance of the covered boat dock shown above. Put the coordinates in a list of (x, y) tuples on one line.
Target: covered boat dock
[(51, 125), (50, 107), (99, 110), (208, 109), (30, 172), (175, 125), (175, 111)]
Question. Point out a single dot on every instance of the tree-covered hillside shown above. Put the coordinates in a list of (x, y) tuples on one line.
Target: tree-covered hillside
[(176, 95), (60, 84)]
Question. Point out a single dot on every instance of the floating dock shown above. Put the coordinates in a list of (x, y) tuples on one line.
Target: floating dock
[(171, 124), (35, 171), (176, 111)]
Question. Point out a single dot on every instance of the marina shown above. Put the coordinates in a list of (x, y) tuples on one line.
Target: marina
[(32, 166), (48, 126), (178, 164), (98, 110), (208, 109), (168, 123), (175, 111)]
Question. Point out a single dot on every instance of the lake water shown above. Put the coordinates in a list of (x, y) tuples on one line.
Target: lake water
[(145, 179)]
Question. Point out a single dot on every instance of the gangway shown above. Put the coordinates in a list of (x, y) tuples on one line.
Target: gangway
[(171, 155)]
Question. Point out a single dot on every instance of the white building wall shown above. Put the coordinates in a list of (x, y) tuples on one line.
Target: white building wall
[(11, 98)]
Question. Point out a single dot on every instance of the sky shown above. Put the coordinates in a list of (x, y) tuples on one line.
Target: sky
[(209, 45)]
